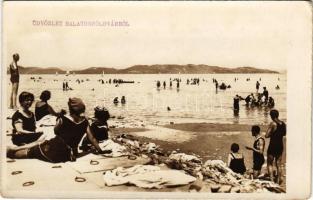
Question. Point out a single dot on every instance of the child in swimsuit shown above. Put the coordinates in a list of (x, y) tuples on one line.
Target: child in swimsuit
[(258, 149), (236, 160)]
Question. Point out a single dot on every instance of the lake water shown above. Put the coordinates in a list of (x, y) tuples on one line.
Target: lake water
[(191, 103)]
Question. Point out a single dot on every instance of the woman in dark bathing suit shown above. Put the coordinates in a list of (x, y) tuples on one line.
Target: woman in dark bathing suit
[(69, 130), (42, 108), (276, 133), (23, 122)]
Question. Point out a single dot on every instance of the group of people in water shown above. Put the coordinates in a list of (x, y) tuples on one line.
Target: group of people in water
[(261, 99), (158, 84), (275, 132), (116, 101)]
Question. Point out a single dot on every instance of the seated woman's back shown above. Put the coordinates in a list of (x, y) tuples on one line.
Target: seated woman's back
[(41, 110), (71, 130), (237, 163)]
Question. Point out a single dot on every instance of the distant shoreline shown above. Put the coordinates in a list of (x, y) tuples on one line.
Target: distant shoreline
[(150, 69)]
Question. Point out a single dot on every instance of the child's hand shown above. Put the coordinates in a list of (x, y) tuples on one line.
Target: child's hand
[(249, 148)]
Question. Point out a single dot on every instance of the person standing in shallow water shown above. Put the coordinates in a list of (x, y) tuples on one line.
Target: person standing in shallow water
[(257, 86), (276, 132), (15, 79)]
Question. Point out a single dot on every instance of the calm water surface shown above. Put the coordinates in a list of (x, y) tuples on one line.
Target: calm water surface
[(191, 103)]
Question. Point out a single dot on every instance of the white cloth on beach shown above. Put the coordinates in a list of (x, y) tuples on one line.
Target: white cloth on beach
[(182, 157), (147, 176), (117, 149), (46, 125)]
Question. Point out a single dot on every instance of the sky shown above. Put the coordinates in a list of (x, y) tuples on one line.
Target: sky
[(228, 34)]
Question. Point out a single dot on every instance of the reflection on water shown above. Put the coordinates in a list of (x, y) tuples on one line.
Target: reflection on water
[(189, 103)]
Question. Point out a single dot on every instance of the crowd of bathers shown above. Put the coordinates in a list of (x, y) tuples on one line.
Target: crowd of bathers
[(178, 81), (258, 100)]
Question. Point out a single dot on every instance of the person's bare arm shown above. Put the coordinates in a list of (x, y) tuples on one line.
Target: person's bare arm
[(270, 130), (57, 125), (260, 147), (93, 140), (51, 111), (19, 128), (228, 160)]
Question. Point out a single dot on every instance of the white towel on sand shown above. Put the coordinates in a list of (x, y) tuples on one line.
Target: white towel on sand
[(147, 176)]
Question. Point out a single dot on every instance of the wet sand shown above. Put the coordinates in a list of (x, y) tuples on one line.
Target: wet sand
[(209, 141)]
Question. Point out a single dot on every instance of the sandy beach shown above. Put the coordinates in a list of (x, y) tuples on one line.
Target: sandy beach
[(209, 141)]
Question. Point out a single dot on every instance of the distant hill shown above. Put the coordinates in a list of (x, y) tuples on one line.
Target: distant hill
[(39, 70), (150, 69), (96, 70)]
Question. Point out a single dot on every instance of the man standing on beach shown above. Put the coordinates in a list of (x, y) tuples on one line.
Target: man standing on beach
[(15, 78), (276, 132)]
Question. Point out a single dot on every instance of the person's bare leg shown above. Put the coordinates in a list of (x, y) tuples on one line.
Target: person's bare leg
[(278, 167), (11, 97), (13, 153), (15, 90), (256, 174), (270, 160)]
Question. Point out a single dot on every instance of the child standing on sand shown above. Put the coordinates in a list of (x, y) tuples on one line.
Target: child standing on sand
[(258, 149), (236, 160)]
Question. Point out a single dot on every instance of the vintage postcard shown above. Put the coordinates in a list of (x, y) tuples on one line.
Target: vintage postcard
[(156, 99)]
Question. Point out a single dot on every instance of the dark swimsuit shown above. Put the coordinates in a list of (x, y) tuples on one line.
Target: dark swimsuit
[(237, 165), (99, 131), (258, 158), (28, 124), (63, 147), (276, 146), (41, 111), (15, 76)]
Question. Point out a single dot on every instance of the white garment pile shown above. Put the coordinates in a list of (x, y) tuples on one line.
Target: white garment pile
[(46, 125), (146, 176), (117, 149), (182, 157)]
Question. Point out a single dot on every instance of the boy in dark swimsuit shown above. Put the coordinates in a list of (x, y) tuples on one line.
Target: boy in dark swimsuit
[(276, 132), (258, 149)]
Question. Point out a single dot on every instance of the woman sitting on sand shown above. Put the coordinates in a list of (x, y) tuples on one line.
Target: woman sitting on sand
[(23, 122), (99, 127), (69, 130), (42, 108), (236, 160)]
